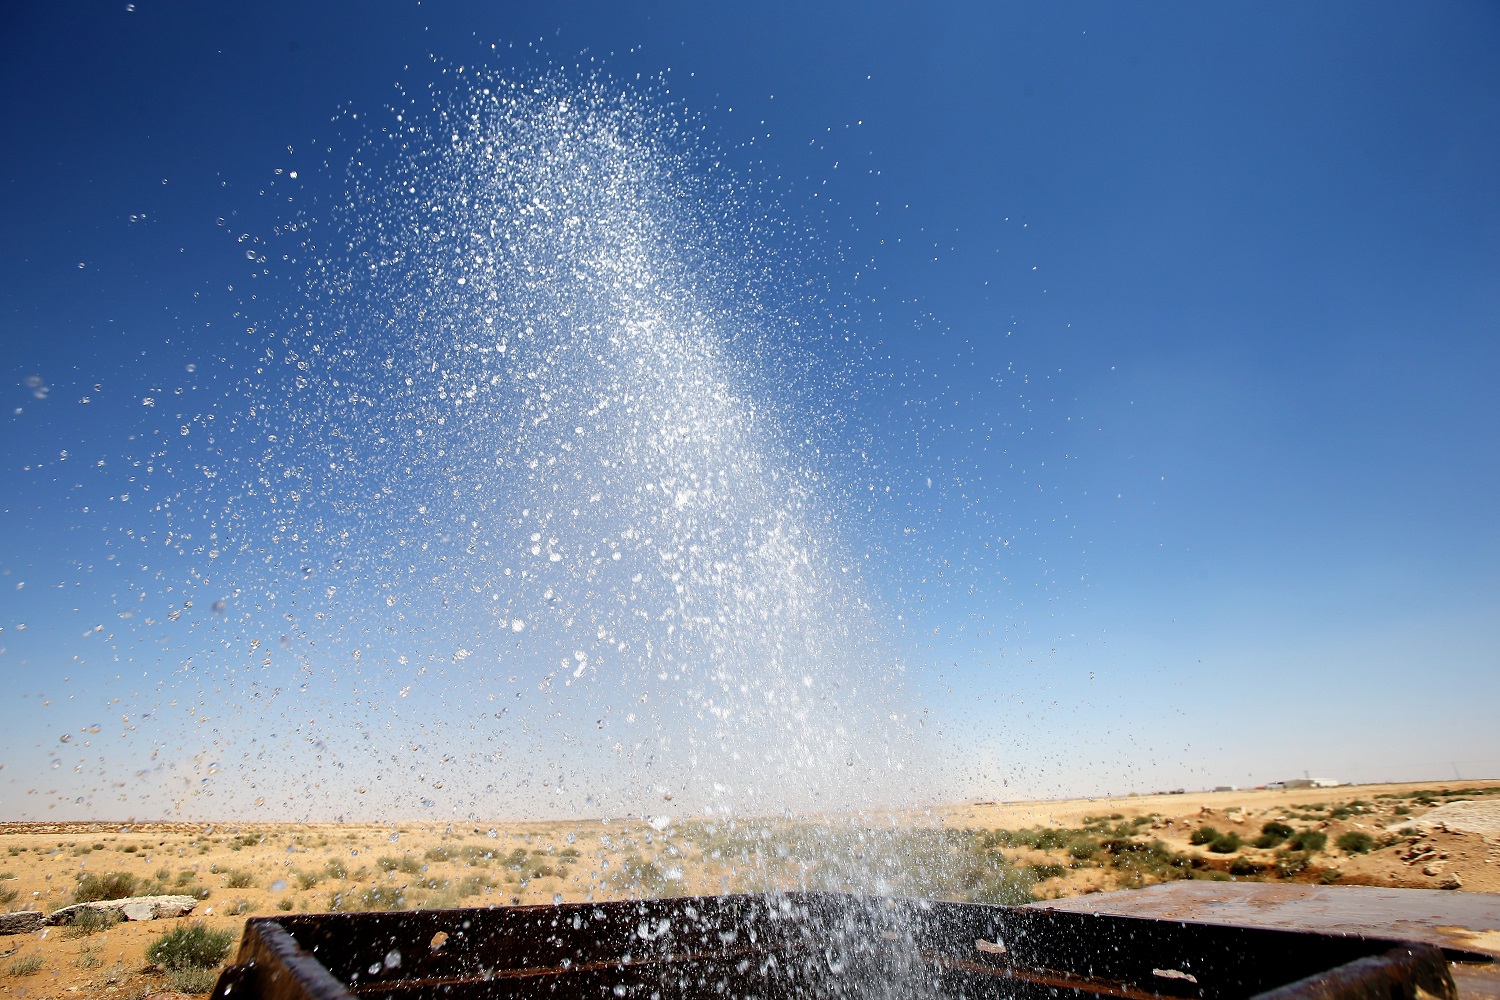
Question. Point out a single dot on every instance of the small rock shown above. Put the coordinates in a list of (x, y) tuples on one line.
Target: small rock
[(1451, 882), (134, 908), (21, 923), (1435, 868)]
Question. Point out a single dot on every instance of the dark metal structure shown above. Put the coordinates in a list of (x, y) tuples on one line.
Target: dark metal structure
[(794, 945)]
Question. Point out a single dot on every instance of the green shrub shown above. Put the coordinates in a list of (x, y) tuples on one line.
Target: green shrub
[(91, 921), (8, 896), (1244, 866), (190, 945), (1145, 862), (406, 863), (113, 885), (1226, 843), (1204, 835), (1272, 834), (1083, 850), (336, 869), (238, 879), (1355, 842), (1308, 841), (1043, 872)]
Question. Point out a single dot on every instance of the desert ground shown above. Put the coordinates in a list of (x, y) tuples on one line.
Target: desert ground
[(1428, 835)]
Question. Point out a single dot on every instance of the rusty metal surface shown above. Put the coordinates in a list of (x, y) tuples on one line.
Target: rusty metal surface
[(273, 965), (1462, 923), (793, 945)]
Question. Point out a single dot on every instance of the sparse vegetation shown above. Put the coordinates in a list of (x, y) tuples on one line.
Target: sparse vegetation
[(1290, 863), (1146, 862), (194, 980), (405, 863), (362, 869), (373, 898), (239, 879)]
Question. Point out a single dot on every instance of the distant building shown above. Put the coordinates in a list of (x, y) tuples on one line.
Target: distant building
[(1305, 783), (1225, 788)]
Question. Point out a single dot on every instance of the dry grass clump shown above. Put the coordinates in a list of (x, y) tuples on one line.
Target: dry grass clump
[(91, 921), (26, 965), (111, 885)]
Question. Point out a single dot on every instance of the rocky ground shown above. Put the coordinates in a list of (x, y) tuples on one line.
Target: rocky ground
[(1423, 836)]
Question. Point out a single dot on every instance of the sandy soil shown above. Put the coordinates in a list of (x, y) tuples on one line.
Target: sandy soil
[(243, 870)]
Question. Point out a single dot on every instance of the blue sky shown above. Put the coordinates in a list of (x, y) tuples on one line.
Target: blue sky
[(1171, 331)]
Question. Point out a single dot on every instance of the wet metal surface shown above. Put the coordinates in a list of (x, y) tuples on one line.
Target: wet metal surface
[(796, 945), (1462, 923)]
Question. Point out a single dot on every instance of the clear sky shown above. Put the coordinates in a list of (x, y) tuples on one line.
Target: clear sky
[(1138, 360)]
